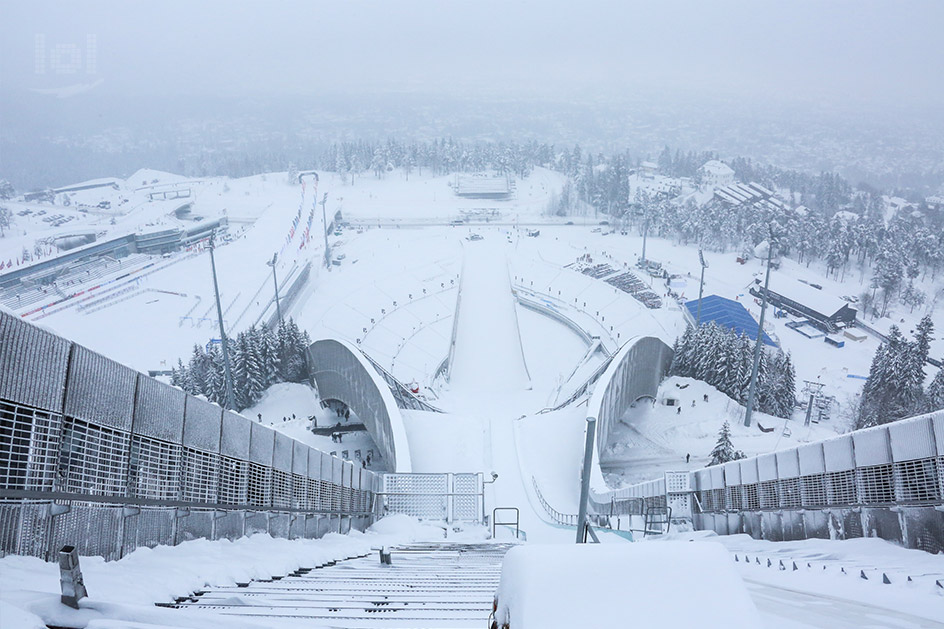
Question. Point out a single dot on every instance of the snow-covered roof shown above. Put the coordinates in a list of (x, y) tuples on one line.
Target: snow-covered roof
[(651, 165), (717, 167), (846, 216), (821, 301)]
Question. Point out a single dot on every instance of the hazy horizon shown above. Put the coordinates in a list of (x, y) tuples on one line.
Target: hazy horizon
[(613, 75)]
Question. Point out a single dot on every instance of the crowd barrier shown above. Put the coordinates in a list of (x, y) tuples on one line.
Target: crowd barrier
[(886, 481), (98, 456)]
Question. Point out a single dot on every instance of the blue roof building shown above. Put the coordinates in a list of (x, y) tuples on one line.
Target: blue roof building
[(727, 313)]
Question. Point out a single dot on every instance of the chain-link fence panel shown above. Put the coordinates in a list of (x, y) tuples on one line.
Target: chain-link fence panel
[(228, 525)]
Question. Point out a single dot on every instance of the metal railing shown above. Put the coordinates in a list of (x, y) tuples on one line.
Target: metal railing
[(106, 459), (405, 398), (567, 519)]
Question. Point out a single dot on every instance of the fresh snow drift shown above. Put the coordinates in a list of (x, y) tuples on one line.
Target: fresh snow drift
[(665, 585)]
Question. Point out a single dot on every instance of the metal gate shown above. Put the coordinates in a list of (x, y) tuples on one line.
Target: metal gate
[(444, 497)]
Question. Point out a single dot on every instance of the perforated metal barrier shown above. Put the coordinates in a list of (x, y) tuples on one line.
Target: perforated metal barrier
[(886, 482), (444, 497), (95, 455)]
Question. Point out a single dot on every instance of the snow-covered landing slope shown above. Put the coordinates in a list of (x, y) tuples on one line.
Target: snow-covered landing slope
[(487, 355)]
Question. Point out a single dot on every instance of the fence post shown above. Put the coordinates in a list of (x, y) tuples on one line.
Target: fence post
[(450, 499), (126, 513), (55, 511)]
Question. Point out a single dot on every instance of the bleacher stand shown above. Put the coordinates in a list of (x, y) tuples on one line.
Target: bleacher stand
[(629, 283), (71, 280)]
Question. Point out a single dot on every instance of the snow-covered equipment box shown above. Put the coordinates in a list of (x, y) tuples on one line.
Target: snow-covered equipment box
[(667, 584)]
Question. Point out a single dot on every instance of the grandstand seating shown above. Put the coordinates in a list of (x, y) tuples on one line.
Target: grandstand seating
[(74, 279), (629, 283)]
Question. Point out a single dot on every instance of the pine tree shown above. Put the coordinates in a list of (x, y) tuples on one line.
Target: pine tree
[(923, 338), (886, 395), (681, 359), (674, 366), (215, 388), (787, 391), (934, 397), (271, 360), (915, 359), (239, 353), (179, 375), (745, 367), (728, 366), (724, 451), (197, 379), (255, 373)]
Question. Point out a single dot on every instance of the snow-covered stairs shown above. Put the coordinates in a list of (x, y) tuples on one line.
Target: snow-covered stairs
[(427, 585)]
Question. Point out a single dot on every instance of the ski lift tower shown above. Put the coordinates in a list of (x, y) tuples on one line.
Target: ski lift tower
[(814, 389)]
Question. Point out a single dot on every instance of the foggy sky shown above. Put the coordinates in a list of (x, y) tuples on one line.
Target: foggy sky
[(842, 51)]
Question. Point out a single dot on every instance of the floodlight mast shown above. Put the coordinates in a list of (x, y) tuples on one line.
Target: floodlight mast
[(227, 373), (760, 336), (324, 218), (701, 284), (278, 307)]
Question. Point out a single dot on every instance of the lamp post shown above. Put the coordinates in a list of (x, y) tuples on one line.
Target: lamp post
[(228, 376), (760, 336), (278, 307), (494, 476), (701, 284)]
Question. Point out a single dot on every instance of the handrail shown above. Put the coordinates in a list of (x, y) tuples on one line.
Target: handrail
[(516, 521), (566, 519), (393, 383)]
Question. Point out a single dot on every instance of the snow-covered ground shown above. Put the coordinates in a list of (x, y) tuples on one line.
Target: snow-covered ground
[(827, 589), (394, 293), (122, 593), (653, 437), (283, 401)]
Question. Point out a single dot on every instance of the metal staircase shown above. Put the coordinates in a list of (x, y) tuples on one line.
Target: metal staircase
[(426, 585)]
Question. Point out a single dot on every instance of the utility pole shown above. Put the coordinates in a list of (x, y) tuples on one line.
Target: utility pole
[(701, 284), (278, 307), (228, 376), (760, 336), (324, 218)]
